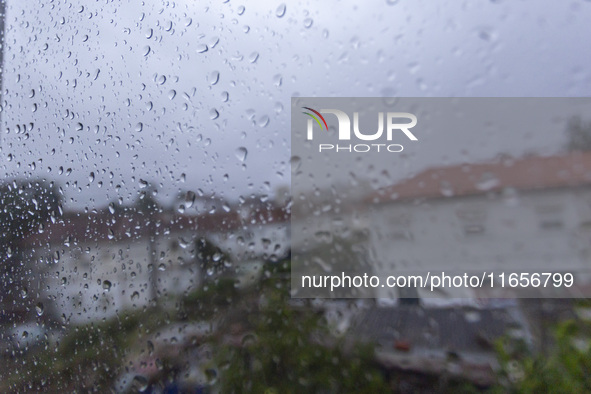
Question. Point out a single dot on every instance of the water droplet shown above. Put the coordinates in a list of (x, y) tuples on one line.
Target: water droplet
[(172, 94), (160, 80), (241, 10), (263, 121), (211, 375), (487, 182), (253, 57), (446, 189), (140, 383), (249, 339), (150, 346), (39, 308), (280, 12), (107, 285), (135, 296), (213, 114), (201, 48), (213, 41), (295, 163), (472, 316), (487, 34), (147, 50), (278, 80), (308, 22), (214, 77), (241, 153), (190, 199), (91, 177), (139, 127)]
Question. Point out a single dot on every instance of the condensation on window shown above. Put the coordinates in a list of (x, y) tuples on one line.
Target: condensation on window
[(146, 202)]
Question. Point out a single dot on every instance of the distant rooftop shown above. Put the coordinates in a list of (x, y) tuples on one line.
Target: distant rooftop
[(103, 226)]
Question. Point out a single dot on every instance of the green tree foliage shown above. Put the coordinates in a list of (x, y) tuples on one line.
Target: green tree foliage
[(211, 259), (146, 202), (291, 350), (566, 369), (24, 206)]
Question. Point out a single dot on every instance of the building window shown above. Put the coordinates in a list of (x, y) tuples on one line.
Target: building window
[(399, 228), (472, 221), (550, 217)]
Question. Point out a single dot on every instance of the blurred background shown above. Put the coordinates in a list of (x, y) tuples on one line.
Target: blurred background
[(146, 202)]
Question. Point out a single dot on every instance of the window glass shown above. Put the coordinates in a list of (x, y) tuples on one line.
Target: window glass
[(146, 202)]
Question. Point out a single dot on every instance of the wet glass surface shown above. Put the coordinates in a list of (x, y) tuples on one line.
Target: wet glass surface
[(146, 199)]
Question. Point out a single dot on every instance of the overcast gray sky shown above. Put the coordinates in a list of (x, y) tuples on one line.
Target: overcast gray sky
[(174, 92)]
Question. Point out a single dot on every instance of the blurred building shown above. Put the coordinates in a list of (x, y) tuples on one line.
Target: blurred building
[(93, 266), (531, 214)]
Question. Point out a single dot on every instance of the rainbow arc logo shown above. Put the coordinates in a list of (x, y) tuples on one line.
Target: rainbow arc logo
[(315, 118)]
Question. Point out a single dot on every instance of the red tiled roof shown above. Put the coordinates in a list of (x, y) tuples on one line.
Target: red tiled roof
[(102, 226), (268, 216), (528, 173)]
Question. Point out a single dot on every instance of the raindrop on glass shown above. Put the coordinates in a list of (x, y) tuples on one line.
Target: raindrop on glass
[(140, 383), (263, 121), (39, 309), (295, 163), (277, 80), (241, 153), (280, 12), (253, 57), (214, 77)]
